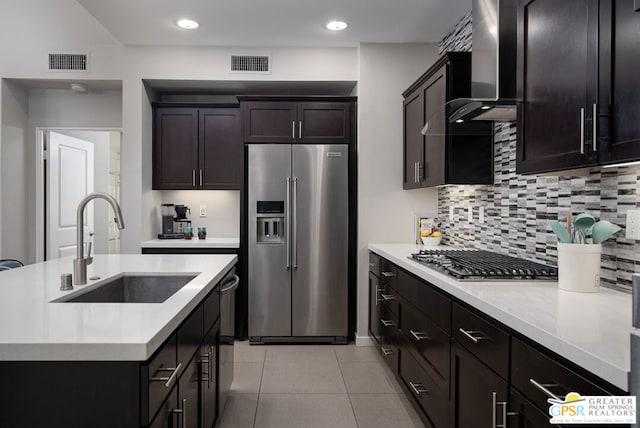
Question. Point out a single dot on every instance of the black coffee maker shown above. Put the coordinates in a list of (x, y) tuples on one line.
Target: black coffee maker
[(181, 221), (174, 220)]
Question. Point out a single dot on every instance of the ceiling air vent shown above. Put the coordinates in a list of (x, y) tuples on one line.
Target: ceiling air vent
[(251, 64), (68, 62)]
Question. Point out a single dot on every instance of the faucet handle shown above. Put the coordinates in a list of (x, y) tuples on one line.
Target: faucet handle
[(89, 259)]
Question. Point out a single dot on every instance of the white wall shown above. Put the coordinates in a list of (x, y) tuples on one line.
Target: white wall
[(63, 108), (13, 161), (385, 211)]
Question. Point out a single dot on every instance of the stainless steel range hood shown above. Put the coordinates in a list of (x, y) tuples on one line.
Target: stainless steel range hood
[(493, 63)]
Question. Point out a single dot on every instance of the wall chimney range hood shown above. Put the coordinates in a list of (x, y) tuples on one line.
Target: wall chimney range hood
[(493, 63)]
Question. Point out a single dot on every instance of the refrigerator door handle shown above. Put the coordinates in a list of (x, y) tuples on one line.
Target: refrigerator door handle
[(288, 221), (295, 223)]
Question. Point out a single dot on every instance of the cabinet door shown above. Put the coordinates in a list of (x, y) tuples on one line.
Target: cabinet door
[(166, 417), (175, 148), (374, 307), (557, 82), (220, 149), (525, 413), (413, 140), (269, 121), (473, 388), (619, 85), (323, 123), (209, 362), (188, 396), (432, 171)]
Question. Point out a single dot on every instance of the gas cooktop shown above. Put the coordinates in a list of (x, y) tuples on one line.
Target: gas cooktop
[(480, 265)]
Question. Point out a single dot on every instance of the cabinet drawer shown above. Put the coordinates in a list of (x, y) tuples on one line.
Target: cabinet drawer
[(211, 309), (190, 335), (157, 379), (486, 341), (429, 344), (432, 303), (527, 415), (424, 391), (389, 338), (389, 299), (375, 262), (388, 273), (529, 367)]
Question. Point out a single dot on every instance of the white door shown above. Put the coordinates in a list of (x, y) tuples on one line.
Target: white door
[(69, 179)]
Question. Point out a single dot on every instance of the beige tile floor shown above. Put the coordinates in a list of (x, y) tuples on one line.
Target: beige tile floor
[(309, 386)]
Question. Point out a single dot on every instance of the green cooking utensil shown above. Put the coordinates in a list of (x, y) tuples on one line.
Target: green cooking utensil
[(583, 224), (561, 232), (604, 230)]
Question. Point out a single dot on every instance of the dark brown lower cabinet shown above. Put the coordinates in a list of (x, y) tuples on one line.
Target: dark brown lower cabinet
[(477, 392), (523, 414), (165, 417), (209, 353), (432, 403), (389, 337)]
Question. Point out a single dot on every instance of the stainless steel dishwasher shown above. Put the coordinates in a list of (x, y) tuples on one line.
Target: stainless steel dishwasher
[(227, 327)]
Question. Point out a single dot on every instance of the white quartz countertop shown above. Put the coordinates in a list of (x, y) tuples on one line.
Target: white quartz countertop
[(34, 328), (590, 329), (192, 243)]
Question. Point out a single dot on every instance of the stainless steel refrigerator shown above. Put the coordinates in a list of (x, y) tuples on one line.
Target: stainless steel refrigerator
[(298, 214)]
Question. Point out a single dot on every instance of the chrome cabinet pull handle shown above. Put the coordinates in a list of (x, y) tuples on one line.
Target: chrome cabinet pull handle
[(389, 274), (415, 172), (293, 129), (470, 335), (419, 335), (494, 412), (372, 265), (201, 180), (170, 379), (419, 388), (582, 131), (299, 129), (543, 388), (388, 297), (386, 351), (193, 177), (184, 413), (595, 127), (388, 323)]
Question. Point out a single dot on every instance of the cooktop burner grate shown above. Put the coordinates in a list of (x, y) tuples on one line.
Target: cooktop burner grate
[(474, 265)]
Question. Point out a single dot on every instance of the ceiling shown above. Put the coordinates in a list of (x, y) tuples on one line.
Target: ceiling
[(274, 23)]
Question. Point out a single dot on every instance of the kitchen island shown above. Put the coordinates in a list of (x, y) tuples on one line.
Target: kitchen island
[(110, 364)]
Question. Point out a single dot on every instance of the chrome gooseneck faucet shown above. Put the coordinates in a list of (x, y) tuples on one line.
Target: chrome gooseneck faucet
[(81, 262)]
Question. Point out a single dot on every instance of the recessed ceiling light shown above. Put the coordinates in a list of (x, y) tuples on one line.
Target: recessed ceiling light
[(336, 25), (188, 24)]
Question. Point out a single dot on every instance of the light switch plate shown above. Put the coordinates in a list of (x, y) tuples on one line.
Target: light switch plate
[(470, 214), (203, 210), (633, 224)]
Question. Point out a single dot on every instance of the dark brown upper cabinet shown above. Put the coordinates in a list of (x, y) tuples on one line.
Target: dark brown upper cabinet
[(449, 153), (197, 148), (316, 121), (578, 97)]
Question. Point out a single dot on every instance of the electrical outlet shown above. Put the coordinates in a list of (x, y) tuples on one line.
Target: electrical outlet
[(470, 214), (203, 210), (450, 213), (481, 215), (633, 225)]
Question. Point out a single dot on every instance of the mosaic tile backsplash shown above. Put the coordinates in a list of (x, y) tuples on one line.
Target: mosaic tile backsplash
[(519, 208)]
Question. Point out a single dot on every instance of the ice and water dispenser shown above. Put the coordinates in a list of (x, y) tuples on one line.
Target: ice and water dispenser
[(271, 222)]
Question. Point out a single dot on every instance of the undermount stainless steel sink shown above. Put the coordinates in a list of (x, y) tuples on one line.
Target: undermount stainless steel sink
[(132, 288)]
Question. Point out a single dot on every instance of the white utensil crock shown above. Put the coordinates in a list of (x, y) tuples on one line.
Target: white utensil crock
[(579, 267)]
